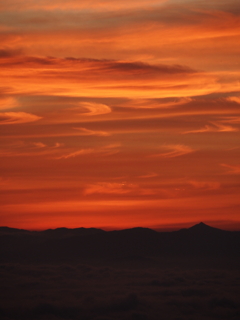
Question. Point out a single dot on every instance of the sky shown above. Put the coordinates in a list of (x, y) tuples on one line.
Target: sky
[(117, 114)]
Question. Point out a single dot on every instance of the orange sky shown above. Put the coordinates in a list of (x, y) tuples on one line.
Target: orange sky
[(116, 114)]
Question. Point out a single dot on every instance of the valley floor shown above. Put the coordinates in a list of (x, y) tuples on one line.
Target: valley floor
[(131, 290)]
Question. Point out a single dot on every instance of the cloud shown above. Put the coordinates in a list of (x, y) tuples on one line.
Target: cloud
[(107, 78), (110, 188), (232, 120), (77, 153), (209, 185), (116, 67), (17, 117), (8, 103), (148, 176), (177, 150), (117, 189), (234, 99), (87, 132), (214, 127), (39, 145), (142, 68), (95, 109), (106, 150), (157, 103), (94, 5), (232, 169), (31, 149), (43, 145), (6, 53), (27, 61)]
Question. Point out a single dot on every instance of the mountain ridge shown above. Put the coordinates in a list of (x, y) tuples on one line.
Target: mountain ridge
[(64, 244), (199, 226)]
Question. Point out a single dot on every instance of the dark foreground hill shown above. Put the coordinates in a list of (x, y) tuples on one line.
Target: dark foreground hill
[(65, 244), (134, 274)]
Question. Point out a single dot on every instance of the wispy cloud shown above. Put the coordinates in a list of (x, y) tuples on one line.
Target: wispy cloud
[(234, 99), (157, 104), (112, 78), (208, 185), (42, 145), (39, 145), (214, 127), (95, 5), (176, 150), (106, 150), (109, 188), (117, 189), (232, 120), (17, 117), (87, 132), (76, 153), (95, 108), (32, 149), (8, 103), (148, 176), (231, 169)]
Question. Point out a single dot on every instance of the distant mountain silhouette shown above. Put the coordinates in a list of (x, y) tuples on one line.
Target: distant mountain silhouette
[(203, 228), (65, 232), (12, 230), (63, 244)]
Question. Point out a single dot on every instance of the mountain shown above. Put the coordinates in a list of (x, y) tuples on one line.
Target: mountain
[(204, 228), (64, 244), (7, 230)]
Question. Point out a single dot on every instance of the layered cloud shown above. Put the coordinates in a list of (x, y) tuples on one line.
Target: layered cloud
[(215, 127), (75, 4), (87, 77), (114, 109), (17, 117), (232, 169), (8, 103), (106, 150), (94, 108), (174, 151), (87, 132)]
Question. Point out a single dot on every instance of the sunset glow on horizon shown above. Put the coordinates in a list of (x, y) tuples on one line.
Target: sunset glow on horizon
[(120, 114)]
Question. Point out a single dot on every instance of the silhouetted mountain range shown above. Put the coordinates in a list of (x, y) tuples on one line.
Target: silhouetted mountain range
[(65, 244)]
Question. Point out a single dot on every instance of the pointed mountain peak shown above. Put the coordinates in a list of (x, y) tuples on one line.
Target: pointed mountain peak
[(202, 227)]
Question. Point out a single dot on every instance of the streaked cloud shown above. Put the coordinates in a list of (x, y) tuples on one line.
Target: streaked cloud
[(149, 176), (231, 168), (8, 103), (110, 188), (75, 4), (105, 150), (39, 145), (33, 149), (95, 108), (17, 117), (157, 104), (76, 153), (233, 120), (176, 150), (117, 189), (106, 78), (215, 127), (234, 99), (208, 185), (87, 132)]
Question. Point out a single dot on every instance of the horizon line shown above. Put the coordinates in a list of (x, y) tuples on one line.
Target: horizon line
[(161, 228)]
